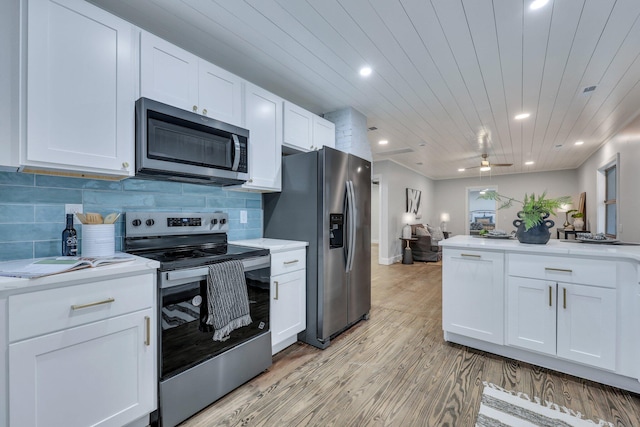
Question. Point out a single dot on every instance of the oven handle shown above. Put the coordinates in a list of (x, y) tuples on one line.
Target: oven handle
[(249, 264)]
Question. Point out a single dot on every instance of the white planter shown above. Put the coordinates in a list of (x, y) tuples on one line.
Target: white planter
[(578, 224)]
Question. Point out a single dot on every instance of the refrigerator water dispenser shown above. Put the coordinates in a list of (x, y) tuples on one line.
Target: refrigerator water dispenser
[(336, 223)]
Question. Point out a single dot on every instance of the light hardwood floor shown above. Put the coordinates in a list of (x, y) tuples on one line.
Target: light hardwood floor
[(396, 370)]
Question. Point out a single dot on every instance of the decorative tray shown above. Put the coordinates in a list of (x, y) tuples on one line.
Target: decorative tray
[(497, 236), (598, 240)]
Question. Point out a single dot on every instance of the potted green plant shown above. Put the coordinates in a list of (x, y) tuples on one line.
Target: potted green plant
[(578, 222), (533, 225)]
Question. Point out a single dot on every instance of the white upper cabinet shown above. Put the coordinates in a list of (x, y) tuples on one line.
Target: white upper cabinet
[(263, 112), (80, 86), (305, 131), (298, 127), (176, 77), (324, 133)]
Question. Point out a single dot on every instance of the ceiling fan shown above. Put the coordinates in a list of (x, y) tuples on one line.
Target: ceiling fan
[(486, 166)]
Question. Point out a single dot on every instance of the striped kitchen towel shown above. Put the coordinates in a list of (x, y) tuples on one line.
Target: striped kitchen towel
[(227, 299)]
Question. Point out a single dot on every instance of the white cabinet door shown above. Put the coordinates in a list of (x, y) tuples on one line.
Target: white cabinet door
[(99, 374), (80, 88), (168, 74), (531, 314), (324, 133), (176, 77), (298, 127), (587, 324), (264, 121), (288, 305), (472, 294), (219, 94)]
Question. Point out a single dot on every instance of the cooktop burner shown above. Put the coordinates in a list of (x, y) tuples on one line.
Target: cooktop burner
[(183, 240)]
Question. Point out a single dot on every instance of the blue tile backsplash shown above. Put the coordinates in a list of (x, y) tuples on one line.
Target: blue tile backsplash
[(32, 208)]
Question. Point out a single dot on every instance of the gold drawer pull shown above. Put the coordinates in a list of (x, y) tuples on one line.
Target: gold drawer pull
[(290, 262), (92, 304), (564, 297), (276, 282), (471, 256), (562, 270), (550, 297), (147, 321)]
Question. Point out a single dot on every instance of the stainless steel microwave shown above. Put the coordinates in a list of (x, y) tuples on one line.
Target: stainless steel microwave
[(179, 145)]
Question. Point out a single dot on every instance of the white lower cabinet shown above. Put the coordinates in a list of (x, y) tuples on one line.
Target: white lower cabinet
[(86, 356), (473, 298), (571, 321), (288, 297)]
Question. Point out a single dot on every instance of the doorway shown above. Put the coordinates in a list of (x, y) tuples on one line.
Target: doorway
[(481, 214)]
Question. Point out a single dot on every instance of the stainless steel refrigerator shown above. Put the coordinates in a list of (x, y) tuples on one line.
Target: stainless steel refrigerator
[(326, 200)]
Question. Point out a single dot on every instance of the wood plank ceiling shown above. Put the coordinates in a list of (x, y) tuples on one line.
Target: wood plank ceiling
[(449, 76)]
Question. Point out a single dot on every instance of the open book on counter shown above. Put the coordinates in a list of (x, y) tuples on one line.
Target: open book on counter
[(40, 267)]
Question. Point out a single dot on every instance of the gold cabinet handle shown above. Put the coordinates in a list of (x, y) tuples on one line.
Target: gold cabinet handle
[(125, 165), (204, 111), (147, 321), (562, 270), (291, 262), (471, 256), (550, 297), (276, 282), (195, 108), (92, 304), (564, 298)]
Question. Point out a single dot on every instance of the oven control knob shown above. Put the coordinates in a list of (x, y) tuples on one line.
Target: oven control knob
[(136, 222), (149, 222), (214, 221), (223, 221)]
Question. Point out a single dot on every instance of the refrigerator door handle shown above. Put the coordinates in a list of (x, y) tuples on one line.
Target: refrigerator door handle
[(351, 218)]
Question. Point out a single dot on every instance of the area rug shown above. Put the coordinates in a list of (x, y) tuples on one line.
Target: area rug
[(502, 408)]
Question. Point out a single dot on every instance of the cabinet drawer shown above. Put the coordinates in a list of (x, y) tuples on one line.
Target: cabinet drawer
[(284, 262), (52, 310), (564, 269)]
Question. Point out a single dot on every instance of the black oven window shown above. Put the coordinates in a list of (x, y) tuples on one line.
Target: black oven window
[(187, 340)]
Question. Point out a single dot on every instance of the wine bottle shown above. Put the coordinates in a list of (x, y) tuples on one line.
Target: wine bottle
[(69, 238)]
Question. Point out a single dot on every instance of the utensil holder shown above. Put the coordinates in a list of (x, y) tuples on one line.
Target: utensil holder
[(98, 240)]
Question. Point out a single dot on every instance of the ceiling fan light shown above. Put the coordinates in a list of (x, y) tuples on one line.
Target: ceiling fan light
[(485, 168)]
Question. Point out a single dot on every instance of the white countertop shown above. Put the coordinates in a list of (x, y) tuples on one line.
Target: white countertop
[(15, 285), (554, 246), (274, 245)]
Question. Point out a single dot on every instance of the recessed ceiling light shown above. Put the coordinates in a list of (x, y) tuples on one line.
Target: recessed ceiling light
[(579, 142), (537, 4), (530, 162), (383, 142), (485, 169), (522, 116), (419, 163), (365, 71), (461, 170)]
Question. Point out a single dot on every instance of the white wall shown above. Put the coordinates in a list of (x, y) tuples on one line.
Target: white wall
[(450, 195), (394, 181), (627, 143), (375, 213)]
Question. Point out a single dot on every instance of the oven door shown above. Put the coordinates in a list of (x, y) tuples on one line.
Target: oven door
[(185, 338)]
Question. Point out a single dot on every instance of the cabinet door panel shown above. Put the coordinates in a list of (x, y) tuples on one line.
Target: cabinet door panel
[(287, 305), (472, 294), (220, 94), (298, 127), (98, 374), (324, 133), (168, 74), (531, 314), (80, 87), (587, 325), (264, 121)]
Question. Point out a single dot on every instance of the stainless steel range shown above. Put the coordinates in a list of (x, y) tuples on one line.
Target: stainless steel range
[(193, 369)]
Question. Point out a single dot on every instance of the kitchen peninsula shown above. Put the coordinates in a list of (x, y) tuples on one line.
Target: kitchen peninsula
[(572, 307)]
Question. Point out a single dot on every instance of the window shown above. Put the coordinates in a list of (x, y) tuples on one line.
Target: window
[(610, 213)]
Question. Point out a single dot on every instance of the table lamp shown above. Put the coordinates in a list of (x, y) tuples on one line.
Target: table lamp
[(444, 219), (407, 217)]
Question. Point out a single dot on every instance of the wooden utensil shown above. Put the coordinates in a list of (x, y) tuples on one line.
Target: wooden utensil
[(81, 217), (94, 218), (111, 218)]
